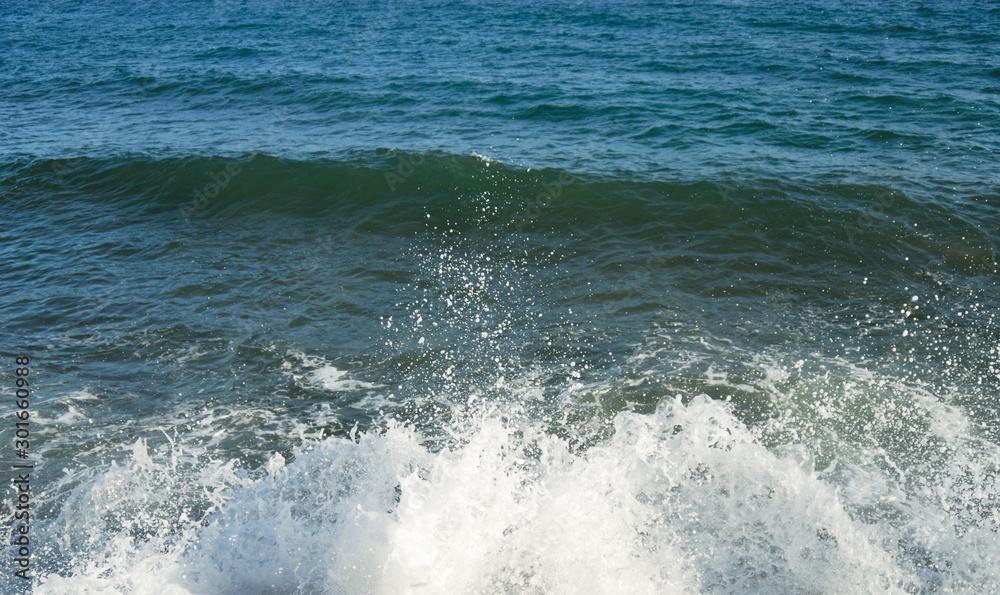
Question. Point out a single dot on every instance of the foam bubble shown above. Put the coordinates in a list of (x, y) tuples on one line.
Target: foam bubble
[(315, 371), (684, 500), (332, 379)]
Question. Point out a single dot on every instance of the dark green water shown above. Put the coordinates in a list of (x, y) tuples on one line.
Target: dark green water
[(489, 298)]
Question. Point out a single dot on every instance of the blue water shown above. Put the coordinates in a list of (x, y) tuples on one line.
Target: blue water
[(454, 297)]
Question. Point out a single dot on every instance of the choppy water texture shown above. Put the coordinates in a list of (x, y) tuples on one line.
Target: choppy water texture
[(387, 297)]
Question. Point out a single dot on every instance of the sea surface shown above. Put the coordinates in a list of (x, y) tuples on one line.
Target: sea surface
[(456, 297)]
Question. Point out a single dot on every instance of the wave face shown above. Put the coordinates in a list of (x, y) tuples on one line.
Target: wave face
[(457, 297), (437, 373)]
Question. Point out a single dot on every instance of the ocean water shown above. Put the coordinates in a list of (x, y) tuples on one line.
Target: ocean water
[(468, 297)]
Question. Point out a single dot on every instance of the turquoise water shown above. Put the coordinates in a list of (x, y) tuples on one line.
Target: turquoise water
[(378, 297)]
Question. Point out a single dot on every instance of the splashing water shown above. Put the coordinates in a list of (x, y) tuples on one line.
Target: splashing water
[(681, 500)]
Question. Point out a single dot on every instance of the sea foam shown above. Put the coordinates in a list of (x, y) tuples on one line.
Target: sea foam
[(684, 500)]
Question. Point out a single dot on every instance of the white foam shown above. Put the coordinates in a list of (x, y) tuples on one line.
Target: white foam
[(332, 379), (681, 501), (314, 371)]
